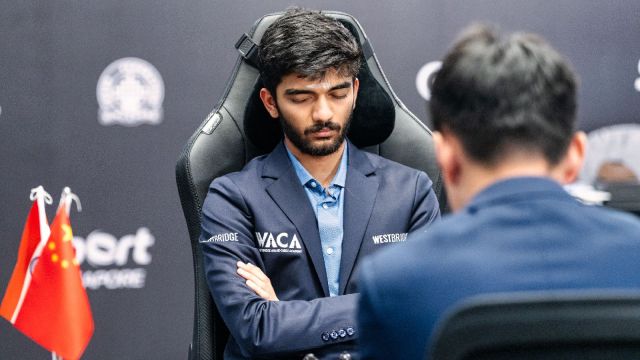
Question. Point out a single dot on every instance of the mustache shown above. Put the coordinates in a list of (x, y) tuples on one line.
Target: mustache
[(320, 126)]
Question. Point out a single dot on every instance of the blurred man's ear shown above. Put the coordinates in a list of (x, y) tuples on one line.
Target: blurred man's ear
[(569, 168), (447, 157), (449, 160), (269, 102)]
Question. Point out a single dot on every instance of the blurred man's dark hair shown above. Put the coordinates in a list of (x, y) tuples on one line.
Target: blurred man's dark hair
[(500, 95)]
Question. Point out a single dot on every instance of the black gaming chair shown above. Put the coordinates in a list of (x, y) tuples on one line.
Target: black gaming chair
[(542, 326), (239, 128)]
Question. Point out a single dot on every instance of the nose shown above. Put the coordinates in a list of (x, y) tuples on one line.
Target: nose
[(322, 110)]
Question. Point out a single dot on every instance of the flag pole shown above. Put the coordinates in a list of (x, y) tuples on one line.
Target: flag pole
[(67, 198)]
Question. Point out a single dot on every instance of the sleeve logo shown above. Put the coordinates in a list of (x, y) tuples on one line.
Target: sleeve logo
[(225, 237)]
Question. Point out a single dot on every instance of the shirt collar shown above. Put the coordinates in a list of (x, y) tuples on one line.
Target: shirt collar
[(303, 175)]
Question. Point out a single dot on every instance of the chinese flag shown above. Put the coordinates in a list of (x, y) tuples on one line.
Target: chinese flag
[(21, 278), (55, 312)]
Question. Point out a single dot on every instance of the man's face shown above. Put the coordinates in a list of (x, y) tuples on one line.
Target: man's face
[(314, 114)]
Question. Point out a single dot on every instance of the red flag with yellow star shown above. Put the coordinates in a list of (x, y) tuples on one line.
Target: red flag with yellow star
[(55, 312)]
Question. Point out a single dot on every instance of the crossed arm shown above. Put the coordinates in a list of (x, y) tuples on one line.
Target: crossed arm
[(260, 325)]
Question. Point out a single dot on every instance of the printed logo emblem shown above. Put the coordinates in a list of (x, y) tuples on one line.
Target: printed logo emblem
[(282, 242), (425, 78), (110, 259), (389, 238), (637, 83), (222, 238), (130, 92)]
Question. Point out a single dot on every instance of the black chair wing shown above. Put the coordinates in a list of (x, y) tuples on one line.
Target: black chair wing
[(546, 325), (238, 129)]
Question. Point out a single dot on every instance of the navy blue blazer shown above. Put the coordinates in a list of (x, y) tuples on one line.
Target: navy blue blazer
[(262, 215), (517, 235)]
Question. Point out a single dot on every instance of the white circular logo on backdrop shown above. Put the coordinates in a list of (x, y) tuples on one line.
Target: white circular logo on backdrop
[(637, 83), (130, 92), (425, 77)]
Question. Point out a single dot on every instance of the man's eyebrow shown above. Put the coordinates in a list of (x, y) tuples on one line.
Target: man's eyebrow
[(297, 92), (343, 85)]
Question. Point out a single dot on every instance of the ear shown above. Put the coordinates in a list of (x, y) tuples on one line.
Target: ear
[(447, 158), (269, 102), (574, 158), (356, 86)]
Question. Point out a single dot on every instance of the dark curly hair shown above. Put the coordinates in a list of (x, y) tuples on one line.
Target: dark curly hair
[(307, 43)]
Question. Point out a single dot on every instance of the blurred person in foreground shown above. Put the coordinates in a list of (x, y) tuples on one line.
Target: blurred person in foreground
[(504, 111), (283, 237)]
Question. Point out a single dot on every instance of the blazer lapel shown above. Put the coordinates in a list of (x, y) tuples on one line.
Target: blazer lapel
[(361, 189), (289, 195)]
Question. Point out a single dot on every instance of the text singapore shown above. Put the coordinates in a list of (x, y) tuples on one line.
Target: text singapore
[(116, 263)]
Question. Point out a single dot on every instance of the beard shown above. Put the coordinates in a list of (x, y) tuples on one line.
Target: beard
[(306, 146)]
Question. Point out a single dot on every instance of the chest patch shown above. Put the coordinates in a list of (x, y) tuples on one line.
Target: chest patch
[(389, 238), (283, 242)]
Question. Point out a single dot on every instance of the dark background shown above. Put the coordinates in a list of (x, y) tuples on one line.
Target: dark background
[(53, 52)]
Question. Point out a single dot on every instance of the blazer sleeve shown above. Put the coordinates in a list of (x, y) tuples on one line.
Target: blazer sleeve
[(373, 344), (426, 208), (261, 328)]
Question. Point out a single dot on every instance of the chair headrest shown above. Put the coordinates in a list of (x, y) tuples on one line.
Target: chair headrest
[(373, 117)]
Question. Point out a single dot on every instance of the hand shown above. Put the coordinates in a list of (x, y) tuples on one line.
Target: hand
[(257, 281)]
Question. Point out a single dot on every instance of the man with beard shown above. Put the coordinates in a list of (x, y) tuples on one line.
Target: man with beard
[(283, 237)]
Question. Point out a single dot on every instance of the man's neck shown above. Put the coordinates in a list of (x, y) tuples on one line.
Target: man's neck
[(477, 178), (322, 168)]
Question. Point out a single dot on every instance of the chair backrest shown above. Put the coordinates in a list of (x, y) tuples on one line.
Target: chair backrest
[(238, 129), (544, 325)]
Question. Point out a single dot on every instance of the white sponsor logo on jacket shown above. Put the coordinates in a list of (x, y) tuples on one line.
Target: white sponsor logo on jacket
[(281, 242)]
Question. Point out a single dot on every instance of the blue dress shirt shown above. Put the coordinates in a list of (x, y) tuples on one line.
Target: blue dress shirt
[(327, 204)]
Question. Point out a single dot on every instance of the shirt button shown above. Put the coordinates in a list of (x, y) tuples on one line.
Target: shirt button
[(350, 331), (325, 206), (313, 184), (329, 250), (325, 336)]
